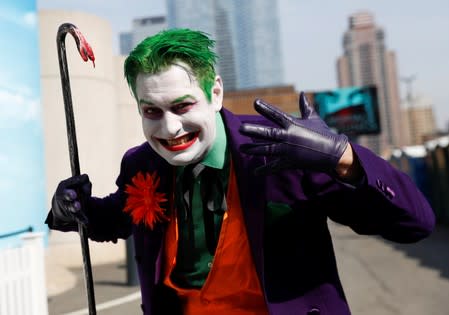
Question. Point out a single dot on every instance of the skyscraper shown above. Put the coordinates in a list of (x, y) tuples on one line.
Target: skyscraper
[(246, 34), (141, 28), (367, 61)]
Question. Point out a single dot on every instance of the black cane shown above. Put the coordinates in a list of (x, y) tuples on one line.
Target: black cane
[(86, 53)]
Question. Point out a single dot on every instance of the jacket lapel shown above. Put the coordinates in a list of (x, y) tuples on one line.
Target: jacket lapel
[(251, 187)]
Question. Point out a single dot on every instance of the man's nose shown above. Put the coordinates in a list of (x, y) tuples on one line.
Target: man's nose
[(172, 125)]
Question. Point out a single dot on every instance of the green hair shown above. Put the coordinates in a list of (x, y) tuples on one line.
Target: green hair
[(156, 53)]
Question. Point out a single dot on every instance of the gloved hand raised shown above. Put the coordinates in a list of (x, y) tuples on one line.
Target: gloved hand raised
[(299, 143), (68, 203)]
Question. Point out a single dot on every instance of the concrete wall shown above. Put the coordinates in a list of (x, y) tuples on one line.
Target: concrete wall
[(131, 133), (105, 114)]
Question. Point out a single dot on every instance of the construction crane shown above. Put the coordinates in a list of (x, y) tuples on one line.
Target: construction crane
[(409, 88)]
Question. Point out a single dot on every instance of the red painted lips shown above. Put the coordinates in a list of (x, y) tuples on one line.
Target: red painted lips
[(180, 143)]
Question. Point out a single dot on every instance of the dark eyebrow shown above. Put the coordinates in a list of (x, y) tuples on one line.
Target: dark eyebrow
[(175, 101), (181, 98), (145, 102)]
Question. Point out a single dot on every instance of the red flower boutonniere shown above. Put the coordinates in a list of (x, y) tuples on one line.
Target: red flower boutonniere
[(144, 202)]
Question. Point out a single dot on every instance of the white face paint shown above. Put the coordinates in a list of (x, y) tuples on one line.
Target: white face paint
[(177, 120)]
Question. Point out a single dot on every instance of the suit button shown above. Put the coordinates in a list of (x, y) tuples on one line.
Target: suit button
[(379, 183), (314, 311), (390, 192)]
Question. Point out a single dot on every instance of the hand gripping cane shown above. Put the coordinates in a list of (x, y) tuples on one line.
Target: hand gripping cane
[(86, 53)]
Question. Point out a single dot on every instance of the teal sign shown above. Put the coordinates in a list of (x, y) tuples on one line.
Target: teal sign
[(350, 110), (22, 176)]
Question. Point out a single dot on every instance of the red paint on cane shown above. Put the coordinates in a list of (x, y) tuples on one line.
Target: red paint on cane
[(84, 48)]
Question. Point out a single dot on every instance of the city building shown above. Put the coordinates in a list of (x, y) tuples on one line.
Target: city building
[(367, 61), (141, 28), (125, 43), (241, 101), (420, 120), (246, 34)]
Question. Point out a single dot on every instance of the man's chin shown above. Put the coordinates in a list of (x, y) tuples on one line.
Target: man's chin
[(178, 158), (181, 159)]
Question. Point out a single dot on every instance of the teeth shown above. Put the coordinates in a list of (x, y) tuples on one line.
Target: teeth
[(178, 141)]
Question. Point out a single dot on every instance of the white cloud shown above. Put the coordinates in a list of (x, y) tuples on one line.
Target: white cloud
[(13, 87), (4, 159), (29, 19), (23, 19), (18, 107)]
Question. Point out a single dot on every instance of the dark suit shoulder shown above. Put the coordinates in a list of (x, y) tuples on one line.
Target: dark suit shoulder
[(139, 150), (142, 155), (255, 119), (144, 159), (252, 118)]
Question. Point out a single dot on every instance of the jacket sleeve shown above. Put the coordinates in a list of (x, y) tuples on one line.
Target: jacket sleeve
[(386, 203)]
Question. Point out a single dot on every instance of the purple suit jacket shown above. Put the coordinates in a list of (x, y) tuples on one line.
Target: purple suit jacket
[(293, 252)]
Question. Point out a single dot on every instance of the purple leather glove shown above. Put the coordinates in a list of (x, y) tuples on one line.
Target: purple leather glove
[(68, 202), (298, 143)]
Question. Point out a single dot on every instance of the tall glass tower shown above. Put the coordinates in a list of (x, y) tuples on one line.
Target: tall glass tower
[(246, 33)]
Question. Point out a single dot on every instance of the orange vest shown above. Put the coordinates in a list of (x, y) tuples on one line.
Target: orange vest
[(232, 286)]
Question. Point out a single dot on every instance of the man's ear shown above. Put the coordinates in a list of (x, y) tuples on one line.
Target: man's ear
[(217, 94)]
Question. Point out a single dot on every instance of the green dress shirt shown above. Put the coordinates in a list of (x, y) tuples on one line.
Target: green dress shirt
[(195, 256), (195, 253)]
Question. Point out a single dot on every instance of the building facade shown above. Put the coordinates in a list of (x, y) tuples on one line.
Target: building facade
[(241, 101), (141, 28), (367, 61), (420, 120), (246, 34), (106, 116)]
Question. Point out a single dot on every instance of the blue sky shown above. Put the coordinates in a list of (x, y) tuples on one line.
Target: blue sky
[(311, 34), (20, 80), (22, 181), (18, 20)]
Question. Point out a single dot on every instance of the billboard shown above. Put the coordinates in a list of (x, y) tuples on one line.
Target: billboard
[(351, 110), (22, 180)]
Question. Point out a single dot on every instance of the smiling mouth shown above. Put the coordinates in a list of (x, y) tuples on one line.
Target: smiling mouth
[(180, 143)]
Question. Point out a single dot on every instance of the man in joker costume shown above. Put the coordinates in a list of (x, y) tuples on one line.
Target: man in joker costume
[(228, 213)]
